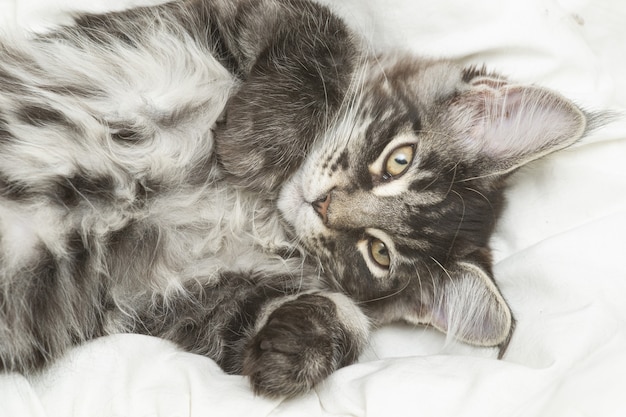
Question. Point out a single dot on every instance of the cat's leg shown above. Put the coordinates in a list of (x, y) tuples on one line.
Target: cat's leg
[(285, 340), (52, 297), (295, 79)]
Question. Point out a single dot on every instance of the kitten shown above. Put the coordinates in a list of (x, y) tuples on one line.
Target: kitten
[(250, 181)]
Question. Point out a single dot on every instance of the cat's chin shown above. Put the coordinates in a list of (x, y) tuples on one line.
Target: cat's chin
[(296, 211), (291, 200)]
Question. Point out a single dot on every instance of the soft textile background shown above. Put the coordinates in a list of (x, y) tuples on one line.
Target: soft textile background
[(560, 251)]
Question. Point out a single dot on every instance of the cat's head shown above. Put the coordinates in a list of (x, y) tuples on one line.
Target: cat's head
[(398, 198)]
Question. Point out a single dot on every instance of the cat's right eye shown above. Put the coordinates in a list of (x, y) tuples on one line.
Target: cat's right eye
[(379, 253), (398, 161)]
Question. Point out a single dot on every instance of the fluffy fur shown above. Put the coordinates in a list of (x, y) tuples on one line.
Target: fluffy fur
[(248, 180)]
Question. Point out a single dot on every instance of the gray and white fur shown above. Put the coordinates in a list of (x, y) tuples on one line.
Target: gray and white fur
[(248, 180)]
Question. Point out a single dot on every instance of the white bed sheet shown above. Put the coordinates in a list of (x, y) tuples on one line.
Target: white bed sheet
[(560, 251)]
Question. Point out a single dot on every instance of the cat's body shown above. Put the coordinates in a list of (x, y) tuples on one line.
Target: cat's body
[(249, 181)]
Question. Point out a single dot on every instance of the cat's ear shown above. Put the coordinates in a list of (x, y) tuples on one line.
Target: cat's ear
[(506, 126), (468, 306)]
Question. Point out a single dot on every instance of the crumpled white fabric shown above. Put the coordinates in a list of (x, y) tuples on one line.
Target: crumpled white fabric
[(560, 251)]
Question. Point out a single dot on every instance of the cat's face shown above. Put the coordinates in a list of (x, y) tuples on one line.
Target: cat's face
[(389, 172), (398, 198)]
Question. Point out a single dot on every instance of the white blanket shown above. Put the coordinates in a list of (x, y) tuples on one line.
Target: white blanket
[(560, 251)]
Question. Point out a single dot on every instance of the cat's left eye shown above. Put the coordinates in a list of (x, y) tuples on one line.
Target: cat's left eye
[(398, 161), (379, 253)]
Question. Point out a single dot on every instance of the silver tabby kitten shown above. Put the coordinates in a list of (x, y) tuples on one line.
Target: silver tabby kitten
[(248, 180)]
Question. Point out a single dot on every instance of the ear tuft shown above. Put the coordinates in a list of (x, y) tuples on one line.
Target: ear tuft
[(469, 307)]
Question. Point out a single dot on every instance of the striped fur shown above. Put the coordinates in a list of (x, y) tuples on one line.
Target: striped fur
[(217, 173)]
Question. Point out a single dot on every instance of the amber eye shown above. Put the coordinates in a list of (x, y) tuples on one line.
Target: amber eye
[(379, 253), (398, 161)]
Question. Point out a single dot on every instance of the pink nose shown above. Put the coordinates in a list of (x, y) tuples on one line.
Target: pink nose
[(321, 207)]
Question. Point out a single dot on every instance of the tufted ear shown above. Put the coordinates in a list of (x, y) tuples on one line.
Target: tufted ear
[(506, 126), (468, 305)]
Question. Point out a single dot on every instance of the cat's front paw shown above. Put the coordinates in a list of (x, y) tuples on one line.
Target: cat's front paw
[(302, 342)]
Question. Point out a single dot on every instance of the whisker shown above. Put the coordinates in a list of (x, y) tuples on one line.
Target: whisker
[(419, 283), (482, 195), (452, 182), (384, 297), (458, 229), (445, 271)]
